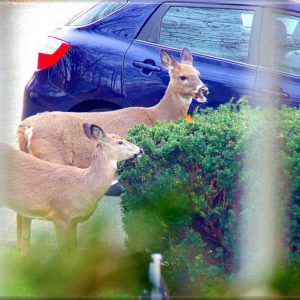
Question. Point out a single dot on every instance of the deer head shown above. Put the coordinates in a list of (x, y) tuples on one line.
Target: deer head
[(115, 147), (184, 77)]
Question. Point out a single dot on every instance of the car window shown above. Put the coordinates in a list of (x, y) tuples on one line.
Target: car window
[(285, 43), (96, 12), (220, 32)]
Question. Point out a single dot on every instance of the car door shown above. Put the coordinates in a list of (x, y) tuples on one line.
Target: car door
[(224, 41), (278, 80)]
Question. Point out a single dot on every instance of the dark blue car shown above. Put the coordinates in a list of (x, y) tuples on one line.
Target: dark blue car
[(107, 57)]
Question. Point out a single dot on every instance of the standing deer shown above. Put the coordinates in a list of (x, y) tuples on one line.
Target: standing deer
[(65, 195), (57, 136)]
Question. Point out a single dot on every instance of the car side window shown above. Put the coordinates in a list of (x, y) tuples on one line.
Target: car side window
[(219, 32), (96, 12), (285, 43)]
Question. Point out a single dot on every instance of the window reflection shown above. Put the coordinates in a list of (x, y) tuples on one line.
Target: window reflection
[(219, 32), (285, 43)]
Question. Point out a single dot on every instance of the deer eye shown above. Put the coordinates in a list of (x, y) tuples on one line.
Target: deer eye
[(120, 143), (182, 78)]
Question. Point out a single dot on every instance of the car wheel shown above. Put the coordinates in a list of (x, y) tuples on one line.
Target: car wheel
[(114, 190)]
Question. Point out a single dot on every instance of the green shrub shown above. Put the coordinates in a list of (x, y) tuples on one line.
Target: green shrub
[(183, 198), (290, 135)]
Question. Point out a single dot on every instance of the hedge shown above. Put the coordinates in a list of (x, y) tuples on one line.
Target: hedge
[(184, 197)]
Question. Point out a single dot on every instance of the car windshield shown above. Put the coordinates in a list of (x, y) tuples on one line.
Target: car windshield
[(96, 11)]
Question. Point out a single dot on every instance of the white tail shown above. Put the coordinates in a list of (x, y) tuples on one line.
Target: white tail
[(57, 136), (62, 194)]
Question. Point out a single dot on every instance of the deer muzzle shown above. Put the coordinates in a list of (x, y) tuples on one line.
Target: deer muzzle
[(140, 153), (201, 94)]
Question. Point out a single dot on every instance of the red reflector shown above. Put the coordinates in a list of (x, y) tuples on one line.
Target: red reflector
[(52, 51)]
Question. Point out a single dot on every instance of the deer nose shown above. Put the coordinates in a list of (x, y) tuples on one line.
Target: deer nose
[(204, 90), (140, 153)]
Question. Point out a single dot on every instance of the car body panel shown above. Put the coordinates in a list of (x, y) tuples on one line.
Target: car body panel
[(41, 95), (91, 69), (277, 88)]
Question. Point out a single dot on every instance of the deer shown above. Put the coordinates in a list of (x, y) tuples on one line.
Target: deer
[(57, 136), (65, 195)]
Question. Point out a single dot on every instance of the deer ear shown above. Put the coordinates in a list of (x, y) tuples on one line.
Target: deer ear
[(186, 56), (97, 133), (94, 132), (87, 130), (166, 59)]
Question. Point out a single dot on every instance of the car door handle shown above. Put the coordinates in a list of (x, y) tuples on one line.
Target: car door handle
[(148, 66), (278, 93)]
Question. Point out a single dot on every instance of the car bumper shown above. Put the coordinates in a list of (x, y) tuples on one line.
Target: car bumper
[(41, 95)]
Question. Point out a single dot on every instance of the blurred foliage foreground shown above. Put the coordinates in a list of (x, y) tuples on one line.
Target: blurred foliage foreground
[(184, 199)]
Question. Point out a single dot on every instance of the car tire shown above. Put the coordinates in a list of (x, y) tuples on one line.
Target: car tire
[(114, 190)]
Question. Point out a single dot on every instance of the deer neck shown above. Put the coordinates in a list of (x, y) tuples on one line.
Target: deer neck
[(171, 106), (101, 172)]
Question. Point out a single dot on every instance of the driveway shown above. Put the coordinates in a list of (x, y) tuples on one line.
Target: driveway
[(23, 26)]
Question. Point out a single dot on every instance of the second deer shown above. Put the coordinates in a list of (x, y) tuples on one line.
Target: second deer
[(65, 195)]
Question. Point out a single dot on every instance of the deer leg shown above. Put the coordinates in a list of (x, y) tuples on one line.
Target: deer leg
[(26, 235), (66, 236), (19, 231)]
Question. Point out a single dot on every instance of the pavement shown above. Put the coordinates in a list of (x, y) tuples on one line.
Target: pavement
[(23, 26)]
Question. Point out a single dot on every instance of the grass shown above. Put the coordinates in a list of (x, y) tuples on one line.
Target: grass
[(98, 269), (90, 273), (13, 284)]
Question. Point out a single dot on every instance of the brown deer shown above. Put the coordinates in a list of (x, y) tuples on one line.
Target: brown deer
[(65, 195), (57, 136)]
